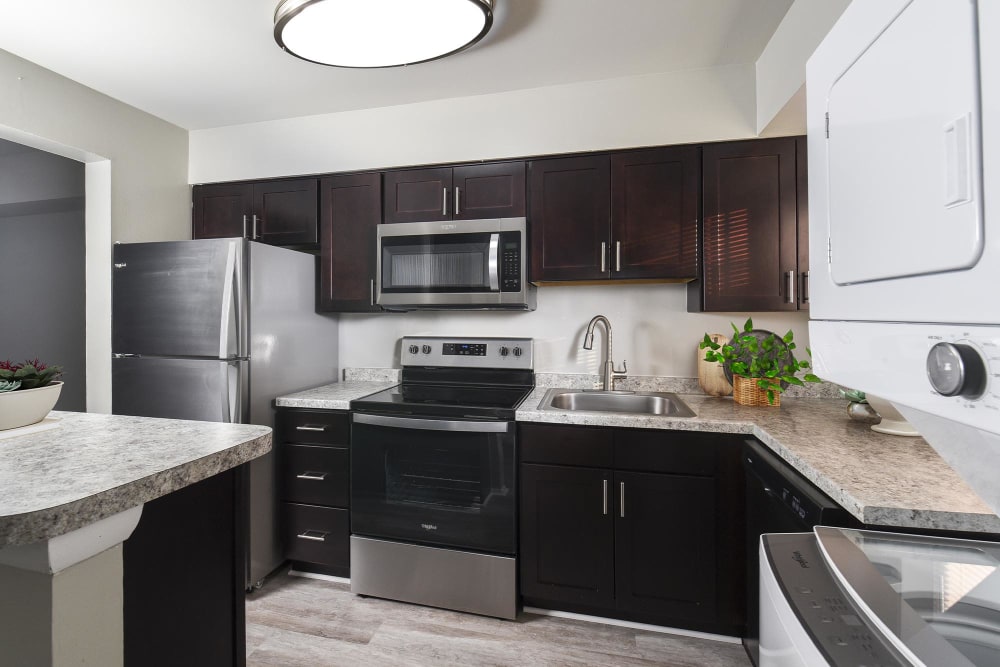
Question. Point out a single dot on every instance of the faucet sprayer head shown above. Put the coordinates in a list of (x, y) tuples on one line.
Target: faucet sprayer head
[(588, 341)]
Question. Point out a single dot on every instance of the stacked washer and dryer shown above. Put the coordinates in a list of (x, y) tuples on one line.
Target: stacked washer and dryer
[(903, 111)]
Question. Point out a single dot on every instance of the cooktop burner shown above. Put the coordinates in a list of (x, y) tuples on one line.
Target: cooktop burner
[(479, 378)]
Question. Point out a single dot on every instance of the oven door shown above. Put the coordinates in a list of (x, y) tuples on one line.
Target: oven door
[(438, 482)]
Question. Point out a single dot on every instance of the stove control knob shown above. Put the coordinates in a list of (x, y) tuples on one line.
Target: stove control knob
[(956, 369), (414, 349), (504, 351), (517, 351), (426, 349)]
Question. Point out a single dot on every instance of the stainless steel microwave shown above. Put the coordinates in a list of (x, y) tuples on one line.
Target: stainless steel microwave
[(455, 265)]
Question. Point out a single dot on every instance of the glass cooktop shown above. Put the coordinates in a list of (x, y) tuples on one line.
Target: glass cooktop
[(454, 401)]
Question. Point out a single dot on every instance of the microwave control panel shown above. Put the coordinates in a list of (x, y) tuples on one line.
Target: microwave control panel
[(510, 262)]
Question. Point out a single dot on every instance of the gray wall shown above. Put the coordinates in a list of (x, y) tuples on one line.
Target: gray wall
[(42, 264)]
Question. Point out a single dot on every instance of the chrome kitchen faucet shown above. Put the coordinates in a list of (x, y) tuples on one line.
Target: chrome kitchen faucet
[(609, 370)]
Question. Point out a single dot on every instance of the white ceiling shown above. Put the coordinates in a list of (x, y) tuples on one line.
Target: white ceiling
[(210, 63)]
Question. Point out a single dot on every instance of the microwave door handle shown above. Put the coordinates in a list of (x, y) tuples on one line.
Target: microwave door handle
[(494, 262), (432, 424)]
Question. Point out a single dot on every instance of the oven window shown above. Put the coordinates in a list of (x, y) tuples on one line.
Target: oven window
[(436, 263), (456, 478)]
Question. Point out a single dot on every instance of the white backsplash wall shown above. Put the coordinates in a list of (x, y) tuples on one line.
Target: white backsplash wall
[(651, 326)]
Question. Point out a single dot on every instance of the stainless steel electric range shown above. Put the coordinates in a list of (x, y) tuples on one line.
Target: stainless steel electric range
[(433, 476)]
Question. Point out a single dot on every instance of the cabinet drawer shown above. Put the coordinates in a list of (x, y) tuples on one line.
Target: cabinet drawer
[(315, 475), (566, 445), (678, 452), (315, 427), (318, 535)]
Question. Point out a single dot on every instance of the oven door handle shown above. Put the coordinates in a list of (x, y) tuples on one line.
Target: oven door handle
[(432, 424)]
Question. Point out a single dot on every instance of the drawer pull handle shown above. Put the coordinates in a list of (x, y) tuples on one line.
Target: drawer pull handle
[(312, 474), (314, 535), (310, 428)]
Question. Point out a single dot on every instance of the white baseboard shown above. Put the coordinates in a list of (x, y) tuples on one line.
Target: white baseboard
[(632, 624)]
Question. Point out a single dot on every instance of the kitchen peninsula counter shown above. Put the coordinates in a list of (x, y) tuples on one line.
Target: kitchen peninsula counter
[(91, 466), (883, 480)]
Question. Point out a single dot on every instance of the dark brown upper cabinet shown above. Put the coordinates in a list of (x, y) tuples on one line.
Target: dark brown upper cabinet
[(631, 215), (281, 213), (755, 249), (570, 218), (468, 192), (654, 213), (350, 211)]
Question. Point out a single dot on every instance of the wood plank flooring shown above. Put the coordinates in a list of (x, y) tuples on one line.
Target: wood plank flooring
[(294, 621)]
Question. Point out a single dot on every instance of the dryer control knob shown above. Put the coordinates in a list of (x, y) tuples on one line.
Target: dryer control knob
[(427, 349), (414, 349), (504, 351), (955, 369), (517, 351)]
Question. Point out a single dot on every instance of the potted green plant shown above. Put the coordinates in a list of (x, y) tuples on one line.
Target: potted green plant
[(28, 391), (760, 362)]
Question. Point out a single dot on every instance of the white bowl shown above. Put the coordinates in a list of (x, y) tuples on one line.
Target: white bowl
[(27, 406)]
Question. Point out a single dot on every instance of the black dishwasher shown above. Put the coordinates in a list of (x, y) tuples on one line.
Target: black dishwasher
[(778, 500)]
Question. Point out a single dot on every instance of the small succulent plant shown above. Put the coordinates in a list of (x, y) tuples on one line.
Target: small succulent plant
[(29, 374)]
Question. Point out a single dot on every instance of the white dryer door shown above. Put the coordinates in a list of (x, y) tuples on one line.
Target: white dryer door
[(904, 149)]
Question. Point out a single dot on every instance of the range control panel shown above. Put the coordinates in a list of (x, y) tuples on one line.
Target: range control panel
[(516, 353)]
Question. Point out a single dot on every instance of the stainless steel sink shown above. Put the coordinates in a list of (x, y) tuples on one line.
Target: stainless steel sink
[(620, 402)]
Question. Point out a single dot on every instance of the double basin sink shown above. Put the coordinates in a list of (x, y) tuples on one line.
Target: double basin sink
[(619, 402)]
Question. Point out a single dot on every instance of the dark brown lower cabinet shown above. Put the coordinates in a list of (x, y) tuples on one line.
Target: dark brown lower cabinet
[(657, 537), (183, 578), (314, 480), (568, 530)]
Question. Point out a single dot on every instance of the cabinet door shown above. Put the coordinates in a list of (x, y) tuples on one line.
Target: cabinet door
[(802, 190), (570, 218), (488, 191), (417, 195), (665, 545), (749, 225), (287, 212), (567, 550), (221, 210), (654, 213), (350, 210)]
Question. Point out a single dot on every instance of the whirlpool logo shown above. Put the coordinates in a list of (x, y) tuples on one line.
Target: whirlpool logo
[(800, 559), (428, 526)]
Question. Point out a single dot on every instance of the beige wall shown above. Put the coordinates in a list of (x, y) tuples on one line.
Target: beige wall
[(655, 109), (142, 192)]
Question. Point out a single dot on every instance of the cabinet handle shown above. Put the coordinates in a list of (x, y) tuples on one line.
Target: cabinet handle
[(310, 428), (805, 287), (372, 290), (605, 497), (244, 225), (458, 208), (604, 254), (254, 236), (444, 202), (621, 501), (618, 255), (790, 284), (314, 535), (313, 475)]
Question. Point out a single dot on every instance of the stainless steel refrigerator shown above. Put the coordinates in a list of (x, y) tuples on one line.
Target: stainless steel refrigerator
[(214, 330)]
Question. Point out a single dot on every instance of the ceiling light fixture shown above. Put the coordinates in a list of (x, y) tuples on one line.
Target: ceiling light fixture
[(379, 33)]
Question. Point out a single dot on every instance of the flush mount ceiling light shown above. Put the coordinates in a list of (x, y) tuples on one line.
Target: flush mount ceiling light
[(379, 33)]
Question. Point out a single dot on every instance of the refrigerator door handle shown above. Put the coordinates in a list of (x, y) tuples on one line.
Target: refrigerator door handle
[(236, 392), (230, 320)]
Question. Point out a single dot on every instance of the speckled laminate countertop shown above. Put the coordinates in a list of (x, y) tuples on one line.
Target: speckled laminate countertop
[(335, 396), (881, 479), (92, 466)]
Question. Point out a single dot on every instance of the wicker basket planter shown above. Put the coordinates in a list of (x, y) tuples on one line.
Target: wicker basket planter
[(746, 392)]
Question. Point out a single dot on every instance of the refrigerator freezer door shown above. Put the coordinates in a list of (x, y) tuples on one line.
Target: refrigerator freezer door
[(180, 299), (200, 389)]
